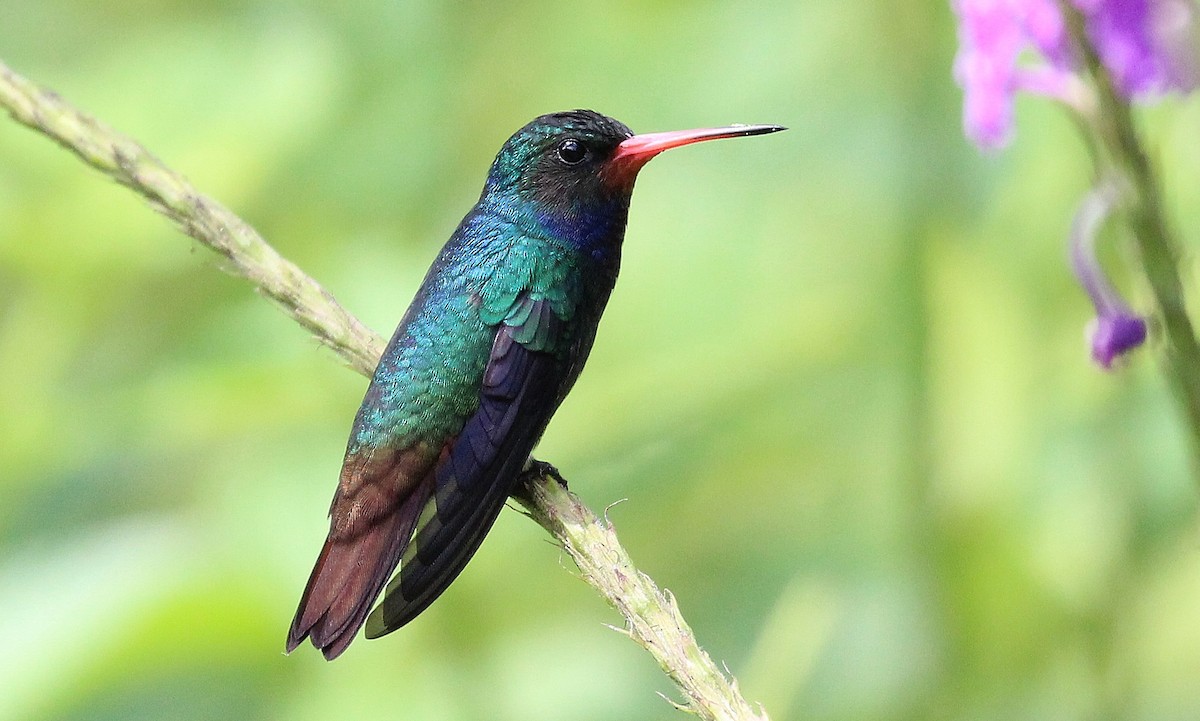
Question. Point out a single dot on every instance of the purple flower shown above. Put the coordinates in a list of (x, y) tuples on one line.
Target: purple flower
[(1116, 329), (1148, 46), (990, 39), (1114, 334)]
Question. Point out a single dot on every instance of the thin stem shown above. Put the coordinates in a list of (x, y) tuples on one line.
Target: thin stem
[(1159, 251), (201, 217), (651, 615)]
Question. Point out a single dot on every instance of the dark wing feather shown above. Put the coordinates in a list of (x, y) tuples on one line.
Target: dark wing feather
[(520, 390)]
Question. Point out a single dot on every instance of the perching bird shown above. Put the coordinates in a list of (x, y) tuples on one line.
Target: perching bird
[(492, 342)]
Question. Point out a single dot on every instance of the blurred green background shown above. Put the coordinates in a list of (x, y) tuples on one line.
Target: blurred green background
[(842, 383)]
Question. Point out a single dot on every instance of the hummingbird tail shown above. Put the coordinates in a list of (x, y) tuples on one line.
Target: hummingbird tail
[(438, 554), (348, 576)]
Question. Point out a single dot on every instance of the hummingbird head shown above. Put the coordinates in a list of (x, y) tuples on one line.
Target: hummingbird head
[(575, 170), (558, 159)]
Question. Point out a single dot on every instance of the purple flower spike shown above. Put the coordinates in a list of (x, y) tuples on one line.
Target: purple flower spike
[(1148, 46), (992, 34), (1116, 329), (990, 39)]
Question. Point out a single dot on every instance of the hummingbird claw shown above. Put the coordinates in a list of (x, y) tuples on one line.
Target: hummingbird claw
[(535, 469)]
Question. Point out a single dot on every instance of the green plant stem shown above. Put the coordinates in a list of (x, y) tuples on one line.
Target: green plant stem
[(651, 615), (198, 215), (1159, 251)]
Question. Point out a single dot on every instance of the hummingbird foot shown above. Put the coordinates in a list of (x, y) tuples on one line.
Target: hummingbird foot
[(535, 469)]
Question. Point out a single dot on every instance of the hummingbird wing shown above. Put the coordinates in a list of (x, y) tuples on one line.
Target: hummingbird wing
[(426, 506), (520, 391)]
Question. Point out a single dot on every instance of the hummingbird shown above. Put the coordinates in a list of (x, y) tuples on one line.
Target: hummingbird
[(493, 340)]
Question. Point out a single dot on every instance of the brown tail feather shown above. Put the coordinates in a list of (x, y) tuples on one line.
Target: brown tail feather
[(347, 578)]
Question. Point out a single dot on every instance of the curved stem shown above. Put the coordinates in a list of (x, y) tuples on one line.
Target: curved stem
[(652, 618)]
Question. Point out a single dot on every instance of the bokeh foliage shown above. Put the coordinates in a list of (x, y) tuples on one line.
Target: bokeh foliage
[(842, 382)]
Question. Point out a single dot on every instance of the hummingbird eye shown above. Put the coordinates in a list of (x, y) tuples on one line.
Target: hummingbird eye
[(571, 151)]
